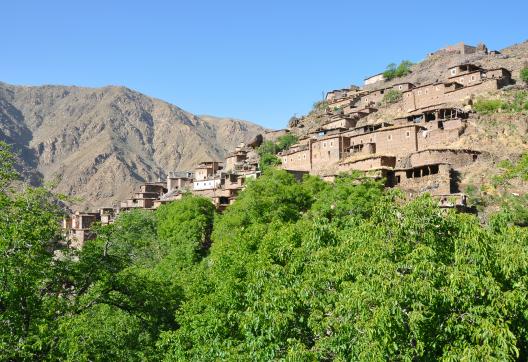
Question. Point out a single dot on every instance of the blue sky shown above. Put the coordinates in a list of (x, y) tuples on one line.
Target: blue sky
[(257, 60)]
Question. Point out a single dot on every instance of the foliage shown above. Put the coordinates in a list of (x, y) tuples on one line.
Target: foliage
[(524, 74), (517, 103), (403, 281), (7, 170), (30, 286), (291, 271), (488, 105), (268, 150), (396, 71), (392, 96)]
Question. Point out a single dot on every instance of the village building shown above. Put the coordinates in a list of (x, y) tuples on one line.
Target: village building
[(77, 227), (413, 152), (374, 79), (179, 180)]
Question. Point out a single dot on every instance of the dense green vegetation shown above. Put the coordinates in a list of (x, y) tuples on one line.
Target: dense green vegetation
[(268, 150), (514, 102), (396, 71), (291, 271)]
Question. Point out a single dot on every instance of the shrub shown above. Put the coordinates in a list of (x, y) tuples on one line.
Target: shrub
[(515, 104), (524, 74), (488, 105), (392, 96), (396, 71)]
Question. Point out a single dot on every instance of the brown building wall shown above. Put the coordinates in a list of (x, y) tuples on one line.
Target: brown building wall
[(431, 95), (395, 141), (438, 138), (340, 123), (415, 181), (297, 161), (368, 164), (328, 151), (456, 158), (470, 78)]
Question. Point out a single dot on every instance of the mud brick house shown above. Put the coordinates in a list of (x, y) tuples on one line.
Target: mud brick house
[(462, 81), (459, 48), (145, 197), (328, 150), (179, 180), (77, 227), (367, 163), (339, 122), (297, 158), (107, 215), (206, 169), (433, 178)]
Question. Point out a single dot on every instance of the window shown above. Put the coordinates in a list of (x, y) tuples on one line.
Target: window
[(291, 159), (461, 80), (304, 157), (419, 92), (382, 91), (426, 90), (472, 78), (453, 71), (324, 144), (328, 153), (400, 87), (366, 100), (389, 137), (408, 134), (331, 143)]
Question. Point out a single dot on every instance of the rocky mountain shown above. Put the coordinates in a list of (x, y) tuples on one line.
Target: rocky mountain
[(98, 143)]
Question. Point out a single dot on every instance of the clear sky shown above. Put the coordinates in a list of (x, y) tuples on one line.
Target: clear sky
[(262, 61)]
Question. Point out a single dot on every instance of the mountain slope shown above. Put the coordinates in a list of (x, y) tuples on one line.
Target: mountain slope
[(97, 143)]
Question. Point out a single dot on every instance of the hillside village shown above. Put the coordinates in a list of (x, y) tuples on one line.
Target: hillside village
[(412, 142)]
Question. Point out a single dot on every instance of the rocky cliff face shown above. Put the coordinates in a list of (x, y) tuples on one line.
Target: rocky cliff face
[(98, 143)]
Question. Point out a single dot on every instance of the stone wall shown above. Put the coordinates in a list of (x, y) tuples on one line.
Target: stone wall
[(434, 179), (454, 157), (368, 163)]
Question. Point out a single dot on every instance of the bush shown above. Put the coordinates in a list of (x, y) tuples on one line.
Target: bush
[(269, 149), (392, 96), (524, 74), (396, 71), (515, 104), (488, 105)]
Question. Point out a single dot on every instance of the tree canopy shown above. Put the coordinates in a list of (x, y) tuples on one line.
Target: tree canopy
[(291, 271)]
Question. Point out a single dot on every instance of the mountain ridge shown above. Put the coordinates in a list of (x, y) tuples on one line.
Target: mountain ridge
[(97, 143)]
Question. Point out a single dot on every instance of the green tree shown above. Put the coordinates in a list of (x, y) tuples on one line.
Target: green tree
[(30, 278), (396, 71)]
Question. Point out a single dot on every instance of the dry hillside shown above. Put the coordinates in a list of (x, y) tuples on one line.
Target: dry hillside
[(98, 143)]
